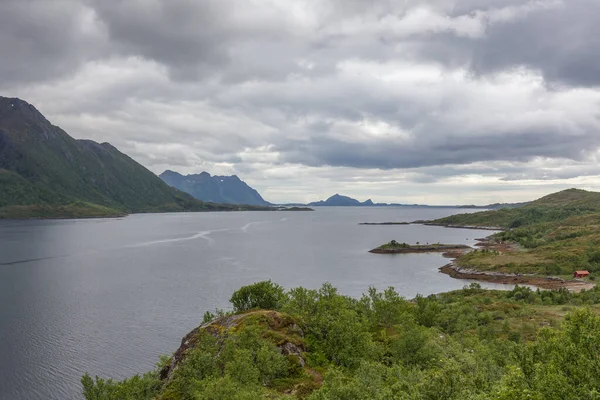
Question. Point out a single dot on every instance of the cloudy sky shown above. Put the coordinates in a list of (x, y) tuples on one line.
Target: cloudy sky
[(427, 101)]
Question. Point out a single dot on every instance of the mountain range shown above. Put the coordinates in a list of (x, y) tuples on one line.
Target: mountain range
[(44, 172), (338, 200), (217, 189)]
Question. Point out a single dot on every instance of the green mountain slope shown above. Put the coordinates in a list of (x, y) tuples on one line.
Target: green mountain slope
[(43, 166), (554, 207)]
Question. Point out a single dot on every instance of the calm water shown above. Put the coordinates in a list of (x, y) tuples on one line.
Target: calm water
[(110, 296)]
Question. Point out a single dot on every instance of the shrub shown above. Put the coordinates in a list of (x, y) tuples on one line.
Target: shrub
[(266, 295)]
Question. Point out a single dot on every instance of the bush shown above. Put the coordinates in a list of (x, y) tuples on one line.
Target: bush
[(264, 295)]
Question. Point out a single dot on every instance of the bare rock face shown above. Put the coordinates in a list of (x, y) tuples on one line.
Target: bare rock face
[(290, 336), (290, 349)]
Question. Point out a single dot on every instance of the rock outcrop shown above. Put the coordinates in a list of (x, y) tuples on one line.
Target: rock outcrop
[(283, 331)]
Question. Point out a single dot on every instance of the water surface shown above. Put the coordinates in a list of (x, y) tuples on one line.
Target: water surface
[(109, 296)]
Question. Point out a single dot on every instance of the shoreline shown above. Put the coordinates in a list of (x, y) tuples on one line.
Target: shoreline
[(385, 223), (549, 282), (423, 249), (477, 227)]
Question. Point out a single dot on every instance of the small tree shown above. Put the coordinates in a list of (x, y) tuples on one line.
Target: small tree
[(265, 294)]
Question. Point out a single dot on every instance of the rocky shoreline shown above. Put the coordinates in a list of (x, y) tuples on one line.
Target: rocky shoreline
[(483, 228), (385, 223), (422, 249), (549, 282)]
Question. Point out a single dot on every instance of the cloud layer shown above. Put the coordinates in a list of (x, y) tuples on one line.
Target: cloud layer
[(432, 101)]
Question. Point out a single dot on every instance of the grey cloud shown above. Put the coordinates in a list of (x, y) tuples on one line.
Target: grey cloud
[(40, 40), (563, 42), (198, 40), (414, 85), (386, 154)]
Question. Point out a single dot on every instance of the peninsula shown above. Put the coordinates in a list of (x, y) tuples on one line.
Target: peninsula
[(542, 243), (394, 247)]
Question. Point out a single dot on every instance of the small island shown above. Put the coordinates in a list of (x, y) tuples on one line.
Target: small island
[(384, 223), (295, 209), (394, 247)]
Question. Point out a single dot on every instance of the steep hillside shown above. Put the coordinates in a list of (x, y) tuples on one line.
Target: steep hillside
[(42, 167), (217, 189)]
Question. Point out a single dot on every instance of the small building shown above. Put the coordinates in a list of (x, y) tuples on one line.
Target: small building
[(580, 274)]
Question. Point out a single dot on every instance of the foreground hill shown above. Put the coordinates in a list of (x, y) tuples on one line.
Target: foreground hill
[(216, 189), (555, 235), (44, 172), (320, 345)]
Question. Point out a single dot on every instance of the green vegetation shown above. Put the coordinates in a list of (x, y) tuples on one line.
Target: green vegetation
[(552, 208), (392, 245), (77, 209), (396, 247), (555, 235), (266, 294), (320, 345), (46, 173)]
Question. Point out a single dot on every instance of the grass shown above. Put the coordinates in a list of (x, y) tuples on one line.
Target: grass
[(72, 210)]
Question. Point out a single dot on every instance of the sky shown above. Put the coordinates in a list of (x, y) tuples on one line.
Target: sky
[(410, 101)]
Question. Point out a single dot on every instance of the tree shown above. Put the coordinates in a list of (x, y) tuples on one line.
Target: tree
[(264, 295)]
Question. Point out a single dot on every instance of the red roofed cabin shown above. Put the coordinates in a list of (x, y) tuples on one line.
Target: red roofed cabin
[(580, 274)]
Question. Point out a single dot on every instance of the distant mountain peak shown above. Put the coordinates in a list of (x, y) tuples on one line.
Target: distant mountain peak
[(215, 189), (340, 200)]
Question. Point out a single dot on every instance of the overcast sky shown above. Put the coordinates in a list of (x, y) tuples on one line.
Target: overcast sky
[(419, 101)]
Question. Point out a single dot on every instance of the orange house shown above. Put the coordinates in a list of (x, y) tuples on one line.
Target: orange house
[(580, 274)]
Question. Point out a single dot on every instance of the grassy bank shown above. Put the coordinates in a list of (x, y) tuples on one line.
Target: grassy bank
[(77, 209)]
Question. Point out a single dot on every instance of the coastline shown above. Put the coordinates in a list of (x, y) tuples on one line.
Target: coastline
[(423, 249), (483, 228), (456, 272), (550, 282)]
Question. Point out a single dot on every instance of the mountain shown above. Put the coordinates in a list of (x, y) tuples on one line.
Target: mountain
[(44, 172), (217, 189), (339, 200)]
